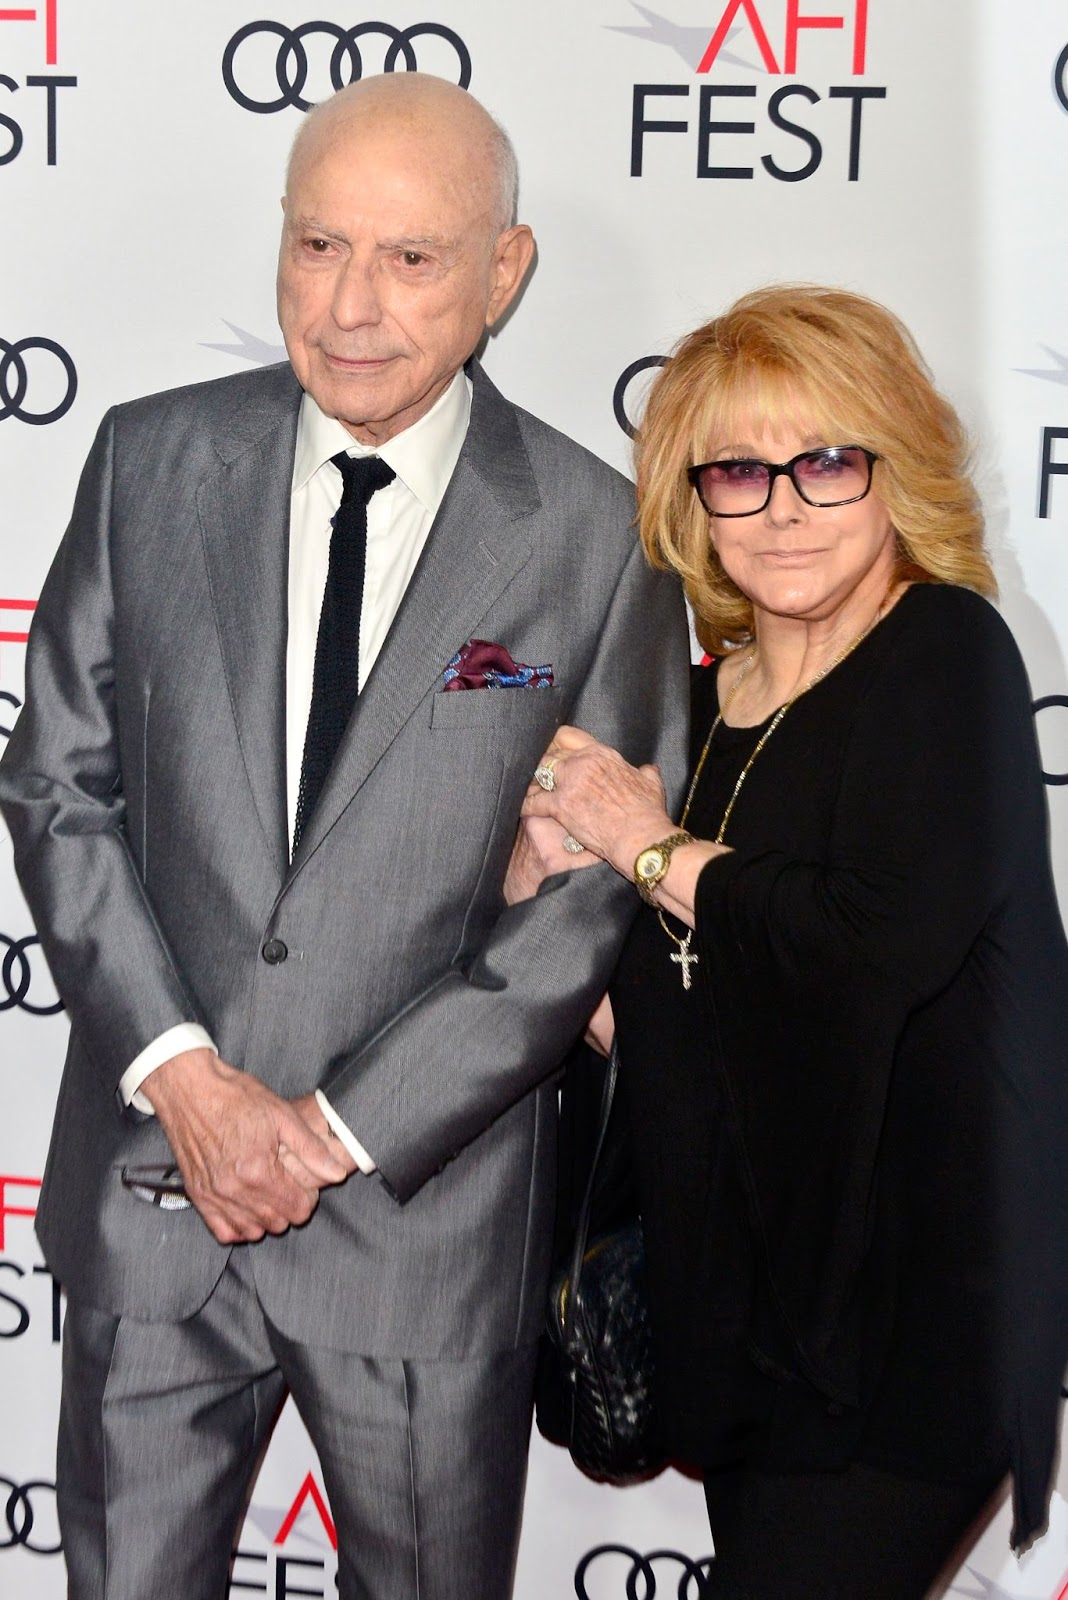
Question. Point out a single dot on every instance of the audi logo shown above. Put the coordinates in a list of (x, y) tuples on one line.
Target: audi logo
[(14, 702), (1060, 78), (16, 977), (15, 380), (21, 1516), (291, 60), (619, 394), (1046, 702), (638, 1577)]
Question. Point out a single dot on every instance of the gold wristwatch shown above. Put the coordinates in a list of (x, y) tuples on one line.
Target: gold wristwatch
[(652, 863)]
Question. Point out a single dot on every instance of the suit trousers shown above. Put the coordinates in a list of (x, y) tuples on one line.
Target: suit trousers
[(162, 1426)]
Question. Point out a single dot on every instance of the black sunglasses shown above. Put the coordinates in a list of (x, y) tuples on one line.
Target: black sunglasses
[(833, 476), (159, 1186)]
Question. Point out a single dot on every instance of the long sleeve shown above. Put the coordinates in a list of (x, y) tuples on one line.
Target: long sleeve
[(475, 1042), (61, 787), (831, 953)]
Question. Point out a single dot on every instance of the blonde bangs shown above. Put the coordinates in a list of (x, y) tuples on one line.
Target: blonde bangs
[(822, 364)]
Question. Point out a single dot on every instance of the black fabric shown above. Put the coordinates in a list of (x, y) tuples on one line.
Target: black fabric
[(335, 685), (851, 1134), (859, 1534)]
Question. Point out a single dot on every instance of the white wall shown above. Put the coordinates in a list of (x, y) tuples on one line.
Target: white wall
[(145, 248)]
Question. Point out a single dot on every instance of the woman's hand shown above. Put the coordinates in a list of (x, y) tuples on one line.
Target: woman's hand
[(537, 854), (615, 809)]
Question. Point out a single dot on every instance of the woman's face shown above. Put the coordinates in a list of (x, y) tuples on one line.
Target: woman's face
[(797, 560)]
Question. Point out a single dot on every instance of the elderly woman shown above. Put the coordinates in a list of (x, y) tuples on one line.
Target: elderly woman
[(843, 1009)]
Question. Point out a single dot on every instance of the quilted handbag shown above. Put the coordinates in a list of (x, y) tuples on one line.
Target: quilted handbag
[(599, 1324)]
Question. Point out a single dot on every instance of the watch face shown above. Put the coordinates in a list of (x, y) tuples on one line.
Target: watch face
[(650, 862)]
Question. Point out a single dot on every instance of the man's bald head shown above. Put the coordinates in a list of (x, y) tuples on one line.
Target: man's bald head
[(398, 248), (419, 101)]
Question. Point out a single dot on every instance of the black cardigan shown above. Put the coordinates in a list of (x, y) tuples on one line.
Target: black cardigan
[(852, 1133)]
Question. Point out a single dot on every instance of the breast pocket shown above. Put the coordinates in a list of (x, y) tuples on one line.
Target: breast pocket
[(515, 711)]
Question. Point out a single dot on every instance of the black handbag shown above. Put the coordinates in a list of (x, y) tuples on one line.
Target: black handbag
[(599, 1327)]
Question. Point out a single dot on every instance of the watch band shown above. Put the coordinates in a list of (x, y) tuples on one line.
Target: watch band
[(651, 864)]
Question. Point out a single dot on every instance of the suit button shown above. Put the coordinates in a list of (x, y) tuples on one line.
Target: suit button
[(273, 952)]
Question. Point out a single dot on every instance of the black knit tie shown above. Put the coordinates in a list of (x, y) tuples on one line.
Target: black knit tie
[(337, 650)]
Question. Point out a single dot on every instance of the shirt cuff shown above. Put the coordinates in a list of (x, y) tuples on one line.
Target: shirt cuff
[(345, 1134), (186, 1036)]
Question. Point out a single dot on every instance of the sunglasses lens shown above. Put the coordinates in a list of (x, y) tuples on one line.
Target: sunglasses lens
[(827, 477), (730, 487)]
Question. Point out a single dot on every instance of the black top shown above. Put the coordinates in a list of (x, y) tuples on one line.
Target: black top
[(851, 1133)]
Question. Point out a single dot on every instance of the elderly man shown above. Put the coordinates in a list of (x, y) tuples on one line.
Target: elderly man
[(305, 1132)]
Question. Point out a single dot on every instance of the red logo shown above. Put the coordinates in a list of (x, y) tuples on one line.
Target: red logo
[(309, 1490), (14, 612), (50, 21), (795, 22), (6, 1181)]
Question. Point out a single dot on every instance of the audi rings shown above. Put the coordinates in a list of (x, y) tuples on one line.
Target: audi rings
[(16, 977), (20, 1517), (640, 1581), (13, 366), (291, 61)]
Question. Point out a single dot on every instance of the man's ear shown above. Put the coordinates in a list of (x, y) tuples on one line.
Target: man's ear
[(512, 255)]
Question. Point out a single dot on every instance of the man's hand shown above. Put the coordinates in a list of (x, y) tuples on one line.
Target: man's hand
[(250, 1161), (311, 1111), (537, 854)]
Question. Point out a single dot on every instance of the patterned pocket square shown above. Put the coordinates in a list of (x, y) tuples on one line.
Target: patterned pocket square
[(481, 664)]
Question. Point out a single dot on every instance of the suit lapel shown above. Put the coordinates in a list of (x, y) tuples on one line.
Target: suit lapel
[(244, 518), (477, 544)]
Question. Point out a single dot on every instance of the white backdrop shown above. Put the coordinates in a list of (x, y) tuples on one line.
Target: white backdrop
[(915, 152)]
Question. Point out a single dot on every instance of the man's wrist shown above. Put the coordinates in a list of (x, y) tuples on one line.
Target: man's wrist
[(184, 1036), (175, 1078)]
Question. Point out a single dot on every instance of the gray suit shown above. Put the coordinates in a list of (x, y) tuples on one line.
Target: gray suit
[(144, 788)]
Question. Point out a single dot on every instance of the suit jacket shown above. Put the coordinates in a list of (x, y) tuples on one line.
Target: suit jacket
[(144, 786)]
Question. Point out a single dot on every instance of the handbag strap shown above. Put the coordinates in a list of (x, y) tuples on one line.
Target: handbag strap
[(582, 1226)]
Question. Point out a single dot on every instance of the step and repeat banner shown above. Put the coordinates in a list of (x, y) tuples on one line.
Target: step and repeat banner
[(673, 155)]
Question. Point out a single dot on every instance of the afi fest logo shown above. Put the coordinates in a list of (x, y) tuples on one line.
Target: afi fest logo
[(30, 1298), (737, 130), (278, 1571), (267, 66), (33, 32)]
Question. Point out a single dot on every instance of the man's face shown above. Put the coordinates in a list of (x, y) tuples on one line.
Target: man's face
[(390, 268)]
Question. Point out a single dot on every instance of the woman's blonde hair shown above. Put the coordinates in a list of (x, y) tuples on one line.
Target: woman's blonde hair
[(814, 360)]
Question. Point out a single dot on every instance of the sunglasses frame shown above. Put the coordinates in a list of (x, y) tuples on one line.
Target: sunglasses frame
[(780, 469)]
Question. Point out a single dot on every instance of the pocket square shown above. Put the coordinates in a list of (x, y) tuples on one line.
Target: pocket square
[(481, 664)]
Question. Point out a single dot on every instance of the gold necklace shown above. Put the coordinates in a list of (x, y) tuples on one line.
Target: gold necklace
[(685, 957)]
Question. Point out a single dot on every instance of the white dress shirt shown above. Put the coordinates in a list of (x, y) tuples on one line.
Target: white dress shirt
[(399, 518)]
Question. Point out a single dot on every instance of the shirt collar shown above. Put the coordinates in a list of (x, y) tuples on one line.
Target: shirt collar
[(423, 456)]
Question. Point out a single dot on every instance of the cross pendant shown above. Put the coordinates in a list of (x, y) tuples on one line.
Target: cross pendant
[(685, 959)]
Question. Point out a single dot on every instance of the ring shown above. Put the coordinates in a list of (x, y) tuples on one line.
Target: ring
[(571, 845), (545, 775)]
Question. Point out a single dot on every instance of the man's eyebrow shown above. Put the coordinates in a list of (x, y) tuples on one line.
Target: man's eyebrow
[(305, 224), (412, 242)]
